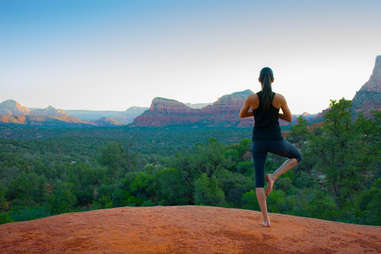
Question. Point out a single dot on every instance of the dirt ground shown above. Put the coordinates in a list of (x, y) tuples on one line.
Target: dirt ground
[(185, 229)]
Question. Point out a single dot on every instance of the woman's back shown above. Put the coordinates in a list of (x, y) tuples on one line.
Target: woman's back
[(266, 126), (266, 118)]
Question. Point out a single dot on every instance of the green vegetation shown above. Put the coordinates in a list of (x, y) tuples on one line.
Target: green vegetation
[(45, 172)]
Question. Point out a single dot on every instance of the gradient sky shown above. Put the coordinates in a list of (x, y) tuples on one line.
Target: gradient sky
[(110, 55)]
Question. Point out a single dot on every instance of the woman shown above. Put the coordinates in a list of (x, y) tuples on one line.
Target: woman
[(267, 136)]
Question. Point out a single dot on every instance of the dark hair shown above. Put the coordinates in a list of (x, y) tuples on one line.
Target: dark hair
[(266, 76)]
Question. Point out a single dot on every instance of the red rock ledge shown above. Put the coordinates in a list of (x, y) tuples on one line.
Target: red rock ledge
[(184, 229)]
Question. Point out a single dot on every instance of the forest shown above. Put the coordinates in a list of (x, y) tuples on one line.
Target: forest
[(45, 172)]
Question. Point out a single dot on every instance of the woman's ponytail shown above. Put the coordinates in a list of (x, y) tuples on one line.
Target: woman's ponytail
[(266, 76)]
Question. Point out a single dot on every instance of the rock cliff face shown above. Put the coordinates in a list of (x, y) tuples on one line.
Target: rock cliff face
[(223, 112), (168, 106), (185, 229), (13, 112), (197, 105), (374, 82), (12, 107), (369, 96), (118, 117), (107, 121), (48, 111), (164, 112), (12, 119)]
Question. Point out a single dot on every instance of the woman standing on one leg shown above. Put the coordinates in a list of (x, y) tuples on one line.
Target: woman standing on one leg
[(267, 136)]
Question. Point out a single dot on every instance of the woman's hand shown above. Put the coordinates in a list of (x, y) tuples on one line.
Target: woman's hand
[(247, 114), (282, 116)]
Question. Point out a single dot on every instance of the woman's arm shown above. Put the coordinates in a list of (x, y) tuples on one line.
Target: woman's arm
[(282, 116), (286, 111), (245, 109)]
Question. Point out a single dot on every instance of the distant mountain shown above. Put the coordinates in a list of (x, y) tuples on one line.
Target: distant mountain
[(224, 113), (48, 111), (12, 107), (197, 105), (308, 116), (107, 121), (121, 117), (13, 112), (135, 111), (369, 96), (163, 112)]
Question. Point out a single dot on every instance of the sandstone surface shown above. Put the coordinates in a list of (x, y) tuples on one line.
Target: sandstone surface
[(184, 229)]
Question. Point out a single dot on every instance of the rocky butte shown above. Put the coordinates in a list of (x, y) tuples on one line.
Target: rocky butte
[(13, 112), (369, 96), (222, 113), (185, 229)]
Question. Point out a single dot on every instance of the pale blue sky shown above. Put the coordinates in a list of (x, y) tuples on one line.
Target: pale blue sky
[(110, 55)]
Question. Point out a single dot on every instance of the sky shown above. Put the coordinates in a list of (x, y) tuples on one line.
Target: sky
[(111, 55)]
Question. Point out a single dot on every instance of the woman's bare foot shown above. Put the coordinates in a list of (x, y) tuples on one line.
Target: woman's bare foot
[(265, 223), (270, 184)]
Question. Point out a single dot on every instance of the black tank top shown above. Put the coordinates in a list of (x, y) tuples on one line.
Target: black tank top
[(266, 125)]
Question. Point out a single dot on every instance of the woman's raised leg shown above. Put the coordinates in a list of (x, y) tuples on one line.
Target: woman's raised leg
[(285, 149), (271, 178)]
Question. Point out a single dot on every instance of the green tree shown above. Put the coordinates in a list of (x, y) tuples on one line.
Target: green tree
[(298, 133), (322, 206), (369, 139), (139, 186), (3, 201), (62, 199), (116, 158), (27, 188), (276, 202), (246, 168), (231, 158), (243, 147), (234, 186), (5, 218), (172, 187), (370, 204), (249, 200), (336, 151), (209, 156), (207, 191)]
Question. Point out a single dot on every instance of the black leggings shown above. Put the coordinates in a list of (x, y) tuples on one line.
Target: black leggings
[(279, 147)]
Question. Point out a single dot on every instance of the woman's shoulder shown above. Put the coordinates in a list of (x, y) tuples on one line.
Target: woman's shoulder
[(278, 100), (252, 99), (253, 96), (279, 97)]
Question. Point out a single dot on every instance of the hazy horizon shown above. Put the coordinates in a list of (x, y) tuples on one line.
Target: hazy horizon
[(111, 55)]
